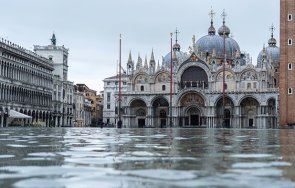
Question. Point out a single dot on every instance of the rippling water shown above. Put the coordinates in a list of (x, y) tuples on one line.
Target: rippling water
[(54, 157)]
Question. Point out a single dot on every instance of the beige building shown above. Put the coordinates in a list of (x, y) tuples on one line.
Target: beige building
[(90, 95)]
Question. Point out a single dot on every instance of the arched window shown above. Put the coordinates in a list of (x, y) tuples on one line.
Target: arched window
[(163, 87), (141, 88)]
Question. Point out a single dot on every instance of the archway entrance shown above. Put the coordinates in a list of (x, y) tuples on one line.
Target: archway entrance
[(249, 111), (160, 110), (224, 112), (138, 111), (191, 105), (193, 117)]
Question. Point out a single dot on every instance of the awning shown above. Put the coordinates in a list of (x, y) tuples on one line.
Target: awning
[(15, 114)]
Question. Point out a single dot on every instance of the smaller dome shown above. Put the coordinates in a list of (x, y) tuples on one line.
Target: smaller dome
[(179, 55), (272, 51), (176, 47), (224, 30)]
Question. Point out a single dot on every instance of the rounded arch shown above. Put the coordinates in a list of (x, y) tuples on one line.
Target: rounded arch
[(162, 76), (229, 75), (249, 110), (250, 97), (159, 102), (137, 102), (191, 98), (249, 74), (140, 78), (224, 111)]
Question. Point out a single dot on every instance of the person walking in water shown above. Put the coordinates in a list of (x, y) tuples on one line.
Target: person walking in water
[(119, 124)]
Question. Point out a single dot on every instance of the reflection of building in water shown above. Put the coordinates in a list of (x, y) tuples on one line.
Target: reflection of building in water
[(251, 93), (287, 149)]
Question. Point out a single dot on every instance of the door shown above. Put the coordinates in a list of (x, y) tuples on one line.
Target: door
[(141, 123), (251, 122), (195, 120)]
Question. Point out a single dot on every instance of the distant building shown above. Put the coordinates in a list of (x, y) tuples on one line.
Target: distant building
[(287, 71), (99, 108), (213, 63), (90, 95), (25, 85), (79, 110), (88, 109), (110, 98), (62, 99)]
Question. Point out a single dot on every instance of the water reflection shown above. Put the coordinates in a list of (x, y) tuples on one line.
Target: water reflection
[(146, 158)]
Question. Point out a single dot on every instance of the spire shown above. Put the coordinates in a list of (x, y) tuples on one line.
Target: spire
[(139, 62), (176, 46), (53, 40), (130, 58), (158, 67), (211, 30), (152, 56), (272, 41), (145, 62)]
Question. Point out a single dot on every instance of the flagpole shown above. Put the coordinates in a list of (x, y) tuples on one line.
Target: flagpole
[(120, 94), (223, 88), (170, 110)]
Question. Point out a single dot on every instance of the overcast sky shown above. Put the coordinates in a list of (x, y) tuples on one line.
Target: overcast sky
[(91, 28)]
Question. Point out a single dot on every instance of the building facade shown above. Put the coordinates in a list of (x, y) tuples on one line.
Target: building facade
[(110, 98), (25, 85), (215, 84), (90, 95), (63, 90), (79, 110), (287, 73)]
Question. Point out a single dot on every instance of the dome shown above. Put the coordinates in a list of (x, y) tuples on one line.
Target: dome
[(224, 29), (179, 55), (209, 43), (272, 51)]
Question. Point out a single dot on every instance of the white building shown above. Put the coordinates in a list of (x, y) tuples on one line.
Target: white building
[(110, 98), (214, 63), (25, 86), (62, 99)]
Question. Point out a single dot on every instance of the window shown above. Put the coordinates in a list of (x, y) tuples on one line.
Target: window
[(289, 66), (163, 87), (276, 70), (108, 106), (249, 86), (116, 83), (290, 91), (108, 97), (141, 88), (255, 85), (289, 41), (108, 83), (290, 17), (124, 83)]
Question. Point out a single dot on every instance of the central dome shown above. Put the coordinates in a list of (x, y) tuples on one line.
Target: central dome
[(210, 43), (218, 43)]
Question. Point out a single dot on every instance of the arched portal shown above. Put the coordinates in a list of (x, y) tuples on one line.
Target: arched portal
[(249, 112), (138, 112), (191, 107), (272, 113), (194, 77), (224, 112), (160, 109)]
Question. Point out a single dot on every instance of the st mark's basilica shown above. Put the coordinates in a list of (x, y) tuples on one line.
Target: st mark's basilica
[(249, 98)]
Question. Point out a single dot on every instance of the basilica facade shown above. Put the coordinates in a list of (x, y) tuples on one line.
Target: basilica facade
[(214, 84)]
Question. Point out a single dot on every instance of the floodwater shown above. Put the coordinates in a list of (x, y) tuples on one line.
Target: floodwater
[(134, 158)]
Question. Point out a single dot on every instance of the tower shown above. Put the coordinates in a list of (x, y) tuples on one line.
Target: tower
[(287, 56), (130, 65)]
